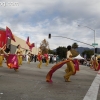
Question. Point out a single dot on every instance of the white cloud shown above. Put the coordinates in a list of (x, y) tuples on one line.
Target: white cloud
[(38, 18)]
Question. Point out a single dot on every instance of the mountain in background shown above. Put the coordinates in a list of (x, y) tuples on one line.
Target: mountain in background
[(82, 49)]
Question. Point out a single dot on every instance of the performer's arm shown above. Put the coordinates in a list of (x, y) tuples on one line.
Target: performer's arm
[(1, 49), (4, 47), (16, 51)]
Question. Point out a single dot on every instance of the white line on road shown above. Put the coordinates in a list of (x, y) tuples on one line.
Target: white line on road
[(92, 93)]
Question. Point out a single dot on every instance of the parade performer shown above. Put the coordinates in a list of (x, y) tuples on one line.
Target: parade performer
[(70, 65), (95, 63), (28, 54), (7, 50), (29, 57), (2, 53), (19, 54), (39, 57), (47, 59), (91, 62), (21, 57)]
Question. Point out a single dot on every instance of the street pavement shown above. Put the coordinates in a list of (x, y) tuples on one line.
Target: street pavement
[(29, 83)]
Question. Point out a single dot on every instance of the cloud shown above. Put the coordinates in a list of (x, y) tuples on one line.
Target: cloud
[(38, 18)]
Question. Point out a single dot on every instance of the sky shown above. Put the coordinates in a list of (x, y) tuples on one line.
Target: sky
[(38, 18)]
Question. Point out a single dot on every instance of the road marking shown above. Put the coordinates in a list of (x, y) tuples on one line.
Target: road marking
[(92, 93)]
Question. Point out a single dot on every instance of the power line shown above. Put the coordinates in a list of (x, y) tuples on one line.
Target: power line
[(74, 40)]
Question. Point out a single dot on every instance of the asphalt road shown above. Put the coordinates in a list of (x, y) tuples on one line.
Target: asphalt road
[(29, 83)]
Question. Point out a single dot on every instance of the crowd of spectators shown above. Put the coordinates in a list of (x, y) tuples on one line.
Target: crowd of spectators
[(52, 58)]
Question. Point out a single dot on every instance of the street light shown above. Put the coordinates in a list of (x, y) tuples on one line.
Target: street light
[(94, 35)]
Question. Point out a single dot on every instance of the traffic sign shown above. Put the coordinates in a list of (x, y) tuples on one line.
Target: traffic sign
[(94, 44)]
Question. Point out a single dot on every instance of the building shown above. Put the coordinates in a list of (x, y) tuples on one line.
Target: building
[(23, 45)]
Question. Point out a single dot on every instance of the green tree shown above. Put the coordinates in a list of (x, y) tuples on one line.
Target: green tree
[(74, 45), (61, 52), (89, 53), (51, 52)]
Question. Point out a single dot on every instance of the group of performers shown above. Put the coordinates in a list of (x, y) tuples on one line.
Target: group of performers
[(13, 60), (95, 64), (72, 66), (40, 56)]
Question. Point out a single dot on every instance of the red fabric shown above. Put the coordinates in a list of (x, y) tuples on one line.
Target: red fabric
[(29, 44), (9, 34), (53, 69), (76, 64), (46, 56), (39, 57), (3, 38), (12, 61)]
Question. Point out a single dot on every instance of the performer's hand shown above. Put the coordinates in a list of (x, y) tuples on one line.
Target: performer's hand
[(7, 55), (2, 54)]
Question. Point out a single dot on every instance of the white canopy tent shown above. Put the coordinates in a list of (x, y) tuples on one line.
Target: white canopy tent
[(78, 57)]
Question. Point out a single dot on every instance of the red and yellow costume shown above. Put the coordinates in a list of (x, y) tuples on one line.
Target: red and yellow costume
[(70, 67), (96, 64), (39, 57), (47, 59), (2, 53), (19, 56), (1, 60)]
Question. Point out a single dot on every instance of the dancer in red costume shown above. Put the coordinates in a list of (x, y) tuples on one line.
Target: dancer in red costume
[(47, 59), (39, 57), (19, 54), (2, 55), (95, 63)]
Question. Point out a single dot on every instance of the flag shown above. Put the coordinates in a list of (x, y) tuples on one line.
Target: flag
[(29, 44), (9, 34)]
